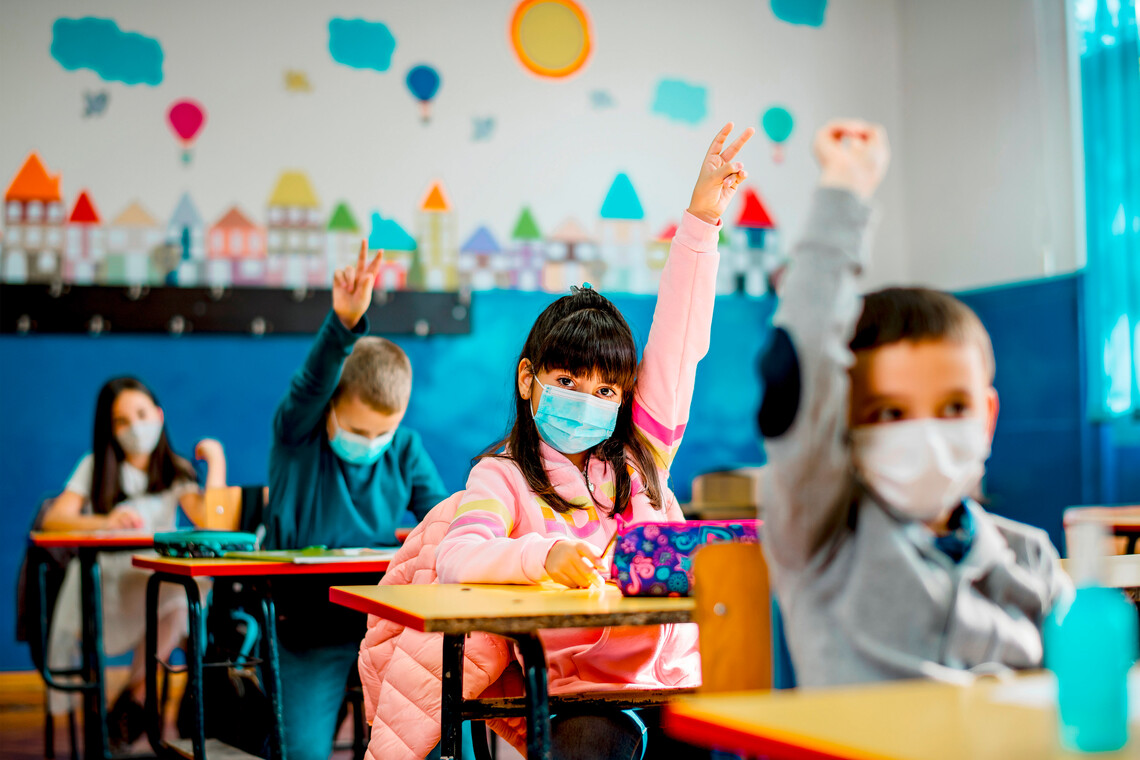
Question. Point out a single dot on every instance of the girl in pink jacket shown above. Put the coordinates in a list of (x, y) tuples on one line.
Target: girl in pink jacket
[(591, 444)]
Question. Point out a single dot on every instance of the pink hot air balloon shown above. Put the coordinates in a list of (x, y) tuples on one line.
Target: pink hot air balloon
[(186, 118)]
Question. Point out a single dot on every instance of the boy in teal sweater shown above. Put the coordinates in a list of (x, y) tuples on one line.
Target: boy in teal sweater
[(342, 472)]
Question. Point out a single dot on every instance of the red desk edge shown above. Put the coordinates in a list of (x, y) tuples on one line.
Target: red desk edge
[(700, 732), (104, 541), (372, 607), (247, 568)]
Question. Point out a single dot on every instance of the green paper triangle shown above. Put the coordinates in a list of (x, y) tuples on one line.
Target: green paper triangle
[(342, 220), (525, 227)]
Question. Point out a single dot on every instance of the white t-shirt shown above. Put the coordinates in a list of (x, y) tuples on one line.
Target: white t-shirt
[(158, 510)]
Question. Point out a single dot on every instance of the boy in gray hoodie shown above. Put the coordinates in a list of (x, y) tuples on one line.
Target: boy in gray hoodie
[(878, 416)]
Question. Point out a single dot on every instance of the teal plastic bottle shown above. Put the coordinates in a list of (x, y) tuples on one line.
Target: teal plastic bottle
[(1090, 644)]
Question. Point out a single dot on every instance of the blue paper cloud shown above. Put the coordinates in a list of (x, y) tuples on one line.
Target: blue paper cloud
[(680, 101), (100, 45), (387, 234), (361, 44), (802, 12)]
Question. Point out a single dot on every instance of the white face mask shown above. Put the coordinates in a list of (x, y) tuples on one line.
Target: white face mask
[(921, 468), (141, 437)]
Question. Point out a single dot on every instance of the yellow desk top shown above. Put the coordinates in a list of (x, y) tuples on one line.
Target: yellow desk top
[(459, 608), (907, 720)]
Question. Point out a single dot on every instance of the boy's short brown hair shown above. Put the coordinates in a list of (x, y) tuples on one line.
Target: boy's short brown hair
[(919, 314), (379, 373)]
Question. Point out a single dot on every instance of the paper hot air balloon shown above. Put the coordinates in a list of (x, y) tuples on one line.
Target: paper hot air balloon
[(186, 118), (423, 83), (778, 124)]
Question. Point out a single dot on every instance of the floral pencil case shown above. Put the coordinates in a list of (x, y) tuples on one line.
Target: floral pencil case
[(656, 559)]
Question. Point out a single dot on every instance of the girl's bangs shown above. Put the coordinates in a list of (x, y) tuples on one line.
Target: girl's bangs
[(589, 341)]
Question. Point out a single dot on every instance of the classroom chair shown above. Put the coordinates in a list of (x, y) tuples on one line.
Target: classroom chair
[(734, 612), (725, 495)]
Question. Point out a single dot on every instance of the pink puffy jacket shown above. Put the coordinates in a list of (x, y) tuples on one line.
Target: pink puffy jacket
[(401, 670)]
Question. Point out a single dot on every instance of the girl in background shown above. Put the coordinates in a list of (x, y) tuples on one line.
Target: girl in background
[(130, 480)]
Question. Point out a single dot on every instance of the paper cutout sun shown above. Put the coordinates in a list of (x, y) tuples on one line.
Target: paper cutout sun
[(552, 38)]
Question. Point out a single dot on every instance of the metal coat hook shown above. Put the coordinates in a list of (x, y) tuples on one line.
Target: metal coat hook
[(135, 292), (177, 325), (96, 325), (24, 324), (257, 326), (422, 328)]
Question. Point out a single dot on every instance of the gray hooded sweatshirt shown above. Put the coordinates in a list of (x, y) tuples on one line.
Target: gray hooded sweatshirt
[(867, 595)]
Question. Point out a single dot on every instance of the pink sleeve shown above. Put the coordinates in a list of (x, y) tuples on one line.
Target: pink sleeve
[(679, 337), (478, 547)]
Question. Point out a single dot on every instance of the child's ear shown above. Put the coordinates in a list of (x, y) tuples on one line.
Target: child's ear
[(992, 406), (525, 374)]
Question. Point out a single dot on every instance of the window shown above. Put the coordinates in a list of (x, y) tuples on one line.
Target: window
[(1110, 105), (294, 243), (117, 239), (275, 241), (35, 211), (15, 211), (314, 240), (33, 237), (254, 242), (218, 241), (13, 237), (55, 212), (237, 241), (296, 215), (53, 237), (315, 217), (276, 215)]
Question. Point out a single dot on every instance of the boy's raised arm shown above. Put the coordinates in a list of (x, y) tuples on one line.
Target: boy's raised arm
[(804, 416), (311, 387)]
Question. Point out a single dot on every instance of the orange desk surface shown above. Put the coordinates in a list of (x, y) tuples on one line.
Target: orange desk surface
[(463, 607), (104, 539), (219, 568), (905, 720), (1113, 518)]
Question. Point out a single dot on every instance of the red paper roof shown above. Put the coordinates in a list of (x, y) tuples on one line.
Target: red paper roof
[(33, 183), (667, 233), (753, 214), (84, 211), (234, 219)]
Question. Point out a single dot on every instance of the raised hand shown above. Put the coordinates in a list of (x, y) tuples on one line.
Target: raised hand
[(210, 451), (853, 155), (719, 177), (352, 287)]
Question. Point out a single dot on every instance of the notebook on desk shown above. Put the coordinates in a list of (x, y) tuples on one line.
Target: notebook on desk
[(321, 556)]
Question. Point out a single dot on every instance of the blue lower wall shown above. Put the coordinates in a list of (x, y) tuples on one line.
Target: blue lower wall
[(1046, 456), (227, 388)]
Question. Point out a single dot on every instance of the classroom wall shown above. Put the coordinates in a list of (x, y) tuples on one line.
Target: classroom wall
[(987, 146)]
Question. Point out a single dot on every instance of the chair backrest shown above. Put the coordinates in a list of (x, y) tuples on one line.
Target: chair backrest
[(734, 612), (230, 508)]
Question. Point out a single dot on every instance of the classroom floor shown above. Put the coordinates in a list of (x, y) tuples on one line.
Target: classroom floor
[(22, 717)]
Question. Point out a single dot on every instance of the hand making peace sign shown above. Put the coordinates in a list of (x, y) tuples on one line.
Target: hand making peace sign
[(719, 176), (352, 288)]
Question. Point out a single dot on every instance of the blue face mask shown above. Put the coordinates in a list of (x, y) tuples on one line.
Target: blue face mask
[(356, 449), (572, 422)]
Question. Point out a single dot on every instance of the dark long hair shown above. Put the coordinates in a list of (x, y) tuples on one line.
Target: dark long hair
[(582, 333), (165, 466)]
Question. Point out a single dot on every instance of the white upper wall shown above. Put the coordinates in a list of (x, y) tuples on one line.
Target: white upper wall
[(986, 150), (359, 137)]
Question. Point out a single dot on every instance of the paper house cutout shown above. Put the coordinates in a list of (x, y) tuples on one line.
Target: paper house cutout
[(388, 235), (34, 218)]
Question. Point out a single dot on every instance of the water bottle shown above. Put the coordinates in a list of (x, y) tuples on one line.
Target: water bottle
[(1090, 644)]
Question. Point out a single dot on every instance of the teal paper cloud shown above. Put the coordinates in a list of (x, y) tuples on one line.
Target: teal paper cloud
[(387, 234), (680, 101), (100, 45), (361, 44), (801, 12)]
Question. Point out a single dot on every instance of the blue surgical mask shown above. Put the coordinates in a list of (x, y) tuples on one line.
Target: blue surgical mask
[(356, 449), (572, 422)]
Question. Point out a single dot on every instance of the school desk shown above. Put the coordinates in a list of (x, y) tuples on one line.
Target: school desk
[(1123, 571), (516, 612), (904, 720), (89, 544), (255, 577), (1119, 521)]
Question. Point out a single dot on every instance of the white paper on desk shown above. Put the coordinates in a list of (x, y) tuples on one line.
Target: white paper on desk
[(347, 555), (1040, 691)]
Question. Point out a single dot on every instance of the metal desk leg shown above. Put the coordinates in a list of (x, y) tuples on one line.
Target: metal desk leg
[(95, 700), (537, 698), (271, 670), (153, 712), (451, 727), (195, 651)]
